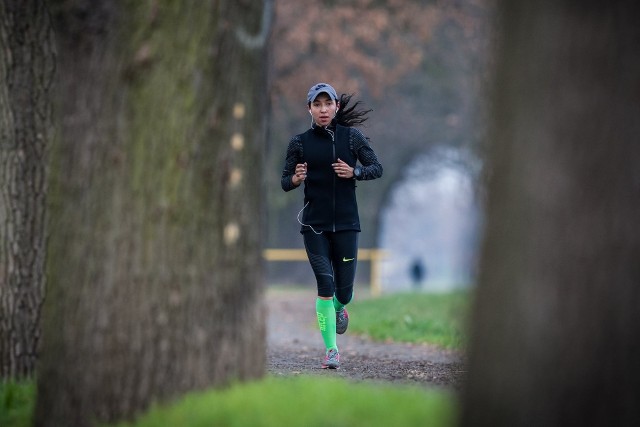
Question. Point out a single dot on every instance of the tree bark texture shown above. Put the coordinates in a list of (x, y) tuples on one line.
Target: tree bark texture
[(156, 206), (555, 339), (26, 73)]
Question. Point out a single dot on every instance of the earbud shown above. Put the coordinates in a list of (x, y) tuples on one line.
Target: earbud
[(310, 113)]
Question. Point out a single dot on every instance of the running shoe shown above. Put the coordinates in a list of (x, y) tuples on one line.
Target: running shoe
[(342, 321), (331, 359)]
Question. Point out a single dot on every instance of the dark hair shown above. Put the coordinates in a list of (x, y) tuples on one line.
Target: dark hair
[(351, 116)]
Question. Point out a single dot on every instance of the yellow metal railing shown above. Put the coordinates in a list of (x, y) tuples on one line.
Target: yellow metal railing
[(375, 256)]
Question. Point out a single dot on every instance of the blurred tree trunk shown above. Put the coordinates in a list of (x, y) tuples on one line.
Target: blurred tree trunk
[(156, 206), (555, 339), (26, 73)]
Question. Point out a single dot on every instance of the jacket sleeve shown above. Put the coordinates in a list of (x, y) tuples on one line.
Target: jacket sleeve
[(371, 167), (293, 157)]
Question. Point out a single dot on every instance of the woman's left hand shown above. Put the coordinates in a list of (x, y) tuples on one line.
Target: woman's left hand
[(342, 169)]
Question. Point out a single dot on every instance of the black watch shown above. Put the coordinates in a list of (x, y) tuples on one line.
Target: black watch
[(357, 172)]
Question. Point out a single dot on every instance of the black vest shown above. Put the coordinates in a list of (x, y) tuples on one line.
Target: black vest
[(330, 201)]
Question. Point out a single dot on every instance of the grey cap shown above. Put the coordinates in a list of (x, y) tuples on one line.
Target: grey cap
[(319, 88)]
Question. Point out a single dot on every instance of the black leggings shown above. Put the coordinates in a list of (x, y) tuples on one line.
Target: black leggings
[(333, 258)]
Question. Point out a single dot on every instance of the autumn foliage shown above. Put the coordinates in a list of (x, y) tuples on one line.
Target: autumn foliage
[(360, 45)]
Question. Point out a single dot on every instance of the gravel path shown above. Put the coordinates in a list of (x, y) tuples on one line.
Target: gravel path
[(294, 346)]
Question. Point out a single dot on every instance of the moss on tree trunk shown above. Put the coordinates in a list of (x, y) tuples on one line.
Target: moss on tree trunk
[(155, 258)]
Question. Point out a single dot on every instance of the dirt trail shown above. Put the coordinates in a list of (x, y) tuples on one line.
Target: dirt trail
[(294, 346)]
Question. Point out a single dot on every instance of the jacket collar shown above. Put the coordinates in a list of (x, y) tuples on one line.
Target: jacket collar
[(323, 129)]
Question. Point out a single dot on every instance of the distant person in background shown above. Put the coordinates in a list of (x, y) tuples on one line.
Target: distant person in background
[(325, 158), (418, 273)]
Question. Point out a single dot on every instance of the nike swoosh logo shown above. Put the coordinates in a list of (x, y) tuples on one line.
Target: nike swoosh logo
[(345, 259)]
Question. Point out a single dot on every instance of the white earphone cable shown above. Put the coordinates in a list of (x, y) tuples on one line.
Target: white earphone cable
[(306, 225)]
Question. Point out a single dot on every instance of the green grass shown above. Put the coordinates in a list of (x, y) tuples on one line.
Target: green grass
[(17, 401), (413, 317), (275, 402), (314, 401), (306, 401)]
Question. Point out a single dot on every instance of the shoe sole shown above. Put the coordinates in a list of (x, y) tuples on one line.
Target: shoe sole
[(330, 367)]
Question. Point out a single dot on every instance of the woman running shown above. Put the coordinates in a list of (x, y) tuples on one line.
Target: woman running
[(325, 158)]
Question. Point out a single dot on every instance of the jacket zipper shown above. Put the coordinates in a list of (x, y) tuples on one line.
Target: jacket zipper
[(333, 145)]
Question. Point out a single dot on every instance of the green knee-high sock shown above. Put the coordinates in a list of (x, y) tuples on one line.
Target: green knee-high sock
[(337, 304), (327, 322)]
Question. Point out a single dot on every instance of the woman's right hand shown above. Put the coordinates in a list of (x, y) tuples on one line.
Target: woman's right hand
[(300, 174)]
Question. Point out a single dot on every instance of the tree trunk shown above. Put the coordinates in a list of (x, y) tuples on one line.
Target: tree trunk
[(155, 255), (555, 339), (26, 73)]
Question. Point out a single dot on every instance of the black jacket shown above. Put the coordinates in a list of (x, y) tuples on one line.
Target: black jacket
[(330, 202)]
